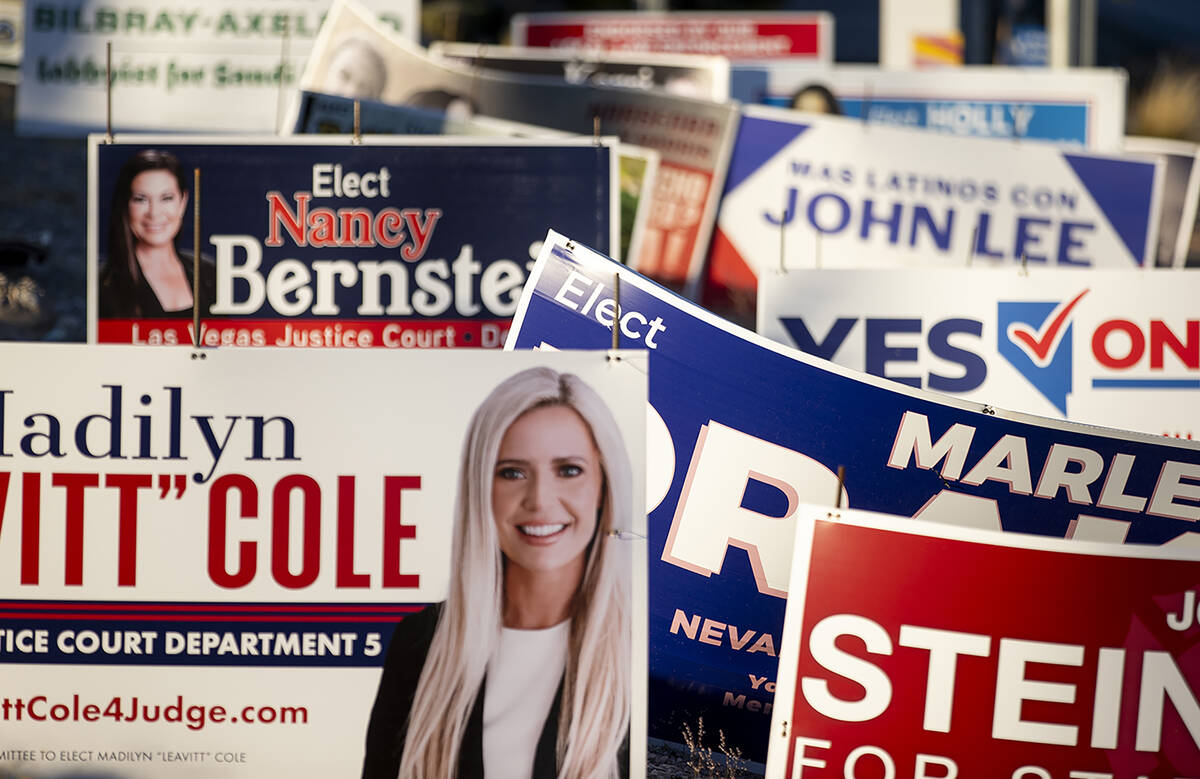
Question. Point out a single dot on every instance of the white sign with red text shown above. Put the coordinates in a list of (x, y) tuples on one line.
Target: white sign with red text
[(738, 35), (203, 553)]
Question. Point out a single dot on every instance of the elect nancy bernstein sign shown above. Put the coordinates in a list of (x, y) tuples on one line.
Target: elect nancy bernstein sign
[(924, 651), (202, 561), (394, 243)]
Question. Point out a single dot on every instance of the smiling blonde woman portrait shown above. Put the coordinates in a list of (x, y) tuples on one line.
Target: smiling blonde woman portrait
[(523, 671), (145, 275)]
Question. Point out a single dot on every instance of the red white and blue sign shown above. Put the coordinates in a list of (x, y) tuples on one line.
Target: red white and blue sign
[(204, 554), (1114, 348), (317, 242)]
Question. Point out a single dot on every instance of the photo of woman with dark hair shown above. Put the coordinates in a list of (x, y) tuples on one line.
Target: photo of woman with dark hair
[(524, 669), (816, 99), (145, 275)]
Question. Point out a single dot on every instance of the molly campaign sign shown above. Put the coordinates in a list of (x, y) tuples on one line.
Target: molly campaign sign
[(1076, 106), (807, 190), (920, 650), (693, 136), (203, 560), (1113, 348), (176, 66), (737, 35), (319, 242), (743, 429)]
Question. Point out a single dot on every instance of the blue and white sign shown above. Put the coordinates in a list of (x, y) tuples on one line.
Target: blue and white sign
[(319, 242), (1078, 107), (807, 190), (1113, 348), (742, 430)]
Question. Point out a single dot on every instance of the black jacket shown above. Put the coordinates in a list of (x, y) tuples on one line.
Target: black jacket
[(120, 297), (393, 703)]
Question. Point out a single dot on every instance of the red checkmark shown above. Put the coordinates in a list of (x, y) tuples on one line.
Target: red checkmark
[(1040, 342)]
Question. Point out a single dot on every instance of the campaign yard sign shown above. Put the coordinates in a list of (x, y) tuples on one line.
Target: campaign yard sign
[(1178, 228), (807, 190), (1076, 106), (1110, 347), (743, 430), (913, 649), (203, 559), (691, 75), (319, 242), (177, 66), (693, 136), (737, 35)]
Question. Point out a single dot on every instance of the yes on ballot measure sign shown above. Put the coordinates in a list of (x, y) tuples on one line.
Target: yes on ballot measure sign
[(1119, 348)]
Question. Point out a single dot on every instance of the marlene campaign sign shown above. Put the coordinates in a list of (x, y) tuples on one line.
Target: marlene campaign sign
[(744, 429), (690, 75), (738, 35), (392, 243), (1077, 106), (920, 650), (176, 65), (693, 137), (203, 560), (1114, 348), (806, 190)]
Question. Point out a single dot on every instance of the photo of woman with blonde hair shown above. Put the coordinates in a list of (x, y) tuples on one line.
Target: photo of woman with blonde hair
[(524, 669)]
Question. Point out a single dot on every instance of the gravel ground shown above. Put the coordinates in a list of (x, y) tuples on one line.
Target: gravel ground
[(43, 204)]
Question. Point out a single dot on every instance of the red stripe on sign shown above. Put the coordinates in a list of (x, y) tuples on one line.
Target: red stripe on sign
[(93, 617), (310, 333), (805, 38), (197, 607), (552, 34)]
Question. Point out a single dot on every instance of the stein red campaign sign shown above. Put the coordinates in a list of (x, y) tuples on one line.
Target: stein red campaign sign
[(927, 651)]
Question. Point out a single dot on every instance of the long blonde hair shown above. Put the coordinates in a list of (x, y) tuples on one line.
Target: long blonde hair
[(594, 715)]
